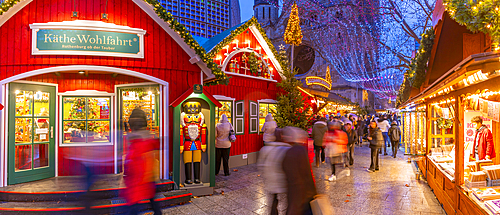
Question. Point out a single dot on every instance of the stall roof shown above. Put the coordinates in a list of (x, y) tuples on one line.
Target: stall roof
[(209, 44), (329, 96), (487, 62)]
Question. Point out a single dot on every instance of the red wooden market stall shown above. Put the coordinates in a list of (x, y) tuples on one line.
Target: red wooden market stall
[(247, 56), (72, 71)]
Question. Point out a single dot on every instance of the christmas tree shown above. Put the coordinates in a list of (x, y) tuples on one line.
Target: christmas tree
[(293, 33), (290, 107)]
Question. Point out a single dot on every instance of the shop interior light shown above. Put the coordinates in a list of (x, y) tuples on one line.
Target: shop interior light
[(81, 72), (17, 91), (150, 93)]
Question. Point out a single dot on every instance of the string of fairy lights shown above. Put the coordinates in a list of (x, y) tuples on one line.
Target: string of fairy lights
[(363, 40)]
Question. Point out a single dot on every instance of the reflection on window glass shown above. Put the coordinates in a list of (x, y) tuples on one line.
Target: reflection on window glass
[(24, 102), (144, 98), (42, 104), (23, 130), (23, 157), (227, 107), (41, 155), (86, 119), (41, 130), (74, 108)]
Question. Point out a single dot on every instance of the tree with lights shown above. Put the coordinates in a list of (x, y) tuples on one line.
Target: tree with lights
[(293, 32), (367, 42), (290, 106)]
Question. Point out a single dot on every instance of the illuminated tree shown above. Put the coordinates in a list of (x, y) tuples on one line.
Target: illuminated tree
[(293, 32)]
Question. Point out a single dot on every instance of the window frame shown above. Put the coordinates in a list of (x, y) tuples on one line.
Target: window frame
[(263, 101), (86, 94), (221, 98), (238, 117), (253, 117)]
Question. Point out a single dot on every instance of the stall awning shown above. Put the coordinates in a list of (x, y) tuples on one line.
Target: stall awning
[(328, 96)]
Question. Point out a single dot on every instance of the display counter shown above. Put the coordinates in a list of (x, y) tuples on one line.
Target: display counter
[(442, 184)]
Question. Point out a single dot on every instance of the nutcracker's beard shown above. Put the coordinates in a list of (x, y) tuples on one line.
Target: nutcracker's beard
[(193, 131)]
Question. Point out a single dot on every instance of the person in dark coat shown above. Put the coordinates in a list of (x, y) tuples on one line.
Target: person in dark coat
[(376, 143), (300, 183), (360, 130), (318, 132), (395, 136), (352, 138)]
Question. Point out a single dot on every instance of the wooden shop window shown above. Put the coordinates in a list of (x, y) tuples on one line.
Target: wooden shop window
[(239, 117), (86, 119)]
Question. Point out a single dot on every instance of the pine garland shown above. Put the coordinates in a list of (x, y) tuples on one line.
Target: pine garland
[(6, 5), (253, 21), (220, 76), (415, 75), (477, 15), (293, 32)]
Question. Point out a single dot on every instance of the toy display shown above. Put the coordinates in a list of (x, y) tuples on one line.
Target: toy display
[(138, 98), (87, 120)]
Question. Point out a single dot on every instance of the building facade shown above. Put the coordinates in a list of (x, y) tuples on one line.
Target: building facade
[(307, 59), (204, 18)]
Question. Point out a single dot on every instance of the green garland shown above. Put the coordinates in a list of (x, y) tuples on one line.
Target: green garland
[(443, 123), (6, 5), (477, 15), (220, 76), (240, 30), (415, 75)]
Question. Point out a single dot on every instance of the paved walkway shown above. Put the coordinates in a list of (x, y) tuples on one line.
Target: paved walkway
[(392, 190)]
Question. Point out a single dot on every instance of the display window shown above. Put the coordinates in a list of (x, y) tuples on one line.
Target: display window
[(86, 119), (414, 128), (227, 108), (145, 98), (442, 135), (264, 109)]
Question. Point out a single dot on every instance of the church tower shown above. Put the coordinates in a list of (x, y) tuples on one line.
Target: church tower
[(265, 10)]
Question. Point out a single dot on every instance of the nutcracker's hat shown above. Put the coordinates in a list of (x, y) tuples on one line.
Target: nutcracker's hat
[(192, 107)]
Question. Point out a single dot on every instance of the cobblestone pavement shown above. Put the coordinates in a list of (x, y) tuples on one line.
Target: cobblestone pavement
[(392, 190)]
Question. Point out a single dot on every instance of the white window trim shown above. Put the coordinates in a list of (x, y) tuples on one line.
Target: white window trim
[(239, 117), (87, 93), (225, 98), (253, 117)]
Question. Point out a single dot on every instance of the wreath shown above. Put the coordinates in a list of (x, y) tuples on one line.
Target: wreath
[(443, 123)]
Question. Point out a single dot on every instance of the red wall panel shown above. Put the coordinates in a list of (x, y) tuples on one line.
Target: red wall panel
[(164, 58)]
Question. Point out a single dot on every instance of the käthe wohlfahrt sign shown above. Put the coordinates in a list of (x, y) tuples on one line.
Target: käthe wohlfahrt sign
[(87, 38)]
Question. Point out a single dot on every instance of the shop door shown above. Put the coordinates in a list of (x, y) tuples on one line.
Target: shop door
[(31, 132)]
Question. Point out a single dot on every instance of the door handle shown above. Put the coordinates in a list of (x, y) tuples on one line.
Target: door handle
[(51, 132)]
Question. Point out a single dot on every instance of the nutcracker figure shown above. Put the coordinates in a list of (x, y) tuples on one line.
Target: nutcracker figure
[(193, 139)]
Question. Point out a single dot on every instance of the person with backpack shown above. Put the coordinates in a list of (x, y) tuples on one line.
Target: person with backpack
[(395, 135), (223, 133), (352, 138), (376, 143)]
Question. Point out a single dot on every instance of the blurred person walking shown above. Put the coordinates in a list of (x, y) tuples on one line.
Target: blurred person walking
[(318, 132), (271, 162), (336, 147), (222, 144), (384, 126), (352, 138), (376, 142), (268, 129), (300, 184), (140, 168), (395, 135)]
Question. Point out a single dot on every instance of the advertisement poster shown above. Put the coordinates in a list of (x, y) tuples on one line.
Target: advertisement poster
[(470, 130), (493, 111)]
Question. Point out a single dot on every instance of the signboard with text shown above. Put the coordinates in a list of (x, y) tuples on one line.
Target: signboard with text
[(87, 38)]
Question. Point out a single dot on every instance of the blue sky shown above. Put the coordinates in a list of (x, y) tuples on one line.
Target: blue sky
[(246, 7)]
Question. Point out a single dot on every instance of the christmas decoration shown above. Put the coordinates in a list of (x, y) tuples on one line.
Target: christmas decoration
[(220, 77), (368, 42), (482, 15), (244, 27), (290, 107), (253, 63), (415, 75), (293, 33), (6, 5), (443, 123)]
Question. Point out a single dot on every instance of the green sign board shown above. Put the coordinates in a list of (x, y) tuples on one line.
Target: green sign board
[(82, 38), (198, 88)]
